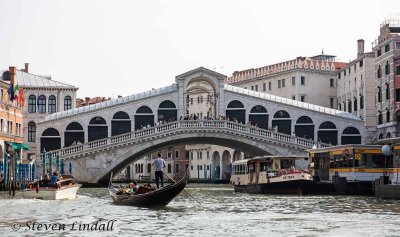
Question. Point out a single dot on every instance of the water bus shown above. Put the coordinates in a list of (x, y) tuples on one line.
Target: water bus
[(272, 174), (66, 188)]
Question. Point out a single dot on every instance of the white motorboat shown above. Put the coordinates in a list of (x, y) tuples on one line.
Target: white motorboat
[(65, 189)]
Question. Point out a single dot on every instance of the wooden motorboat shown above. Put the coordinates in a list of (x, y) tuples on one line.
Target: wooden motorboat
[(158, 197), (65, 189)]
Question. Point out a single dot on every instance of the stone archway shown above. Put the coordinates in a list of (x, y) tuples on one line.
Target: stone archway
[(226, 166), (216, 164)]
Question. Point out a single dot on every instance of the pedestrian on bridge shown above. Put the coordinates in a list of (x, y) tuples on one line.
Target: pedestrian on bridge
[(159, 163)]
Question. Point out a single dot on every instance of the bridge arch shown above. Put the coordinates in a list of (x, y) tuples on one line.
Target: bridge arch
[(226, 165), (328, 133), (167, 111), (259, 116), (236, 110), (304, 127), (216, 165), (351, 135), (97, 129), (50, 140), (282, 122), (73, 133), (120, 123), (144, 116)]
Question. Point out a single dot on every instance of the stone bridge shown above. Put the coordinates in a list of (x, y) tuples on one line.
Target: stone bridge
[(119, 131), (94, 161)]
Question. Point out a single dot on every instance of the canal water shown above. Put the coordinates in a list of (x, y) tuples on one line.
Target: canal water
[(222, 213)]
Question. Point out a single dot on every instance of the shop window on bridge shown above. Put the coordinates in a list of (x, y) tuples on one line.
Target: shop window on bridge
[(282, 122), (236, 112), (351, 135), (167, 111), (97, 129), (120, 124), (74, 134), (144, 116), (328, 133), (259, 116), (304, 128), (50, 140)]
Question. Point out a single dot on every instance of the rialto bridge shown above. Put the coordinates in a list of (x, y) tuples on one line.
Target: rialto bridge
[(100, 138)]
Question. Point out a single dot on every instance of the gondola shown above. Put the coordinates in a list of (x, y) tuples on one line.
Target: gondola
[(159, 197)]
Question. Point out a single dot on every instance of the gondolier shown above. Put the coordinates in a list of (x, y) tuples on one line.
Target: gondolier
[(159, 163)]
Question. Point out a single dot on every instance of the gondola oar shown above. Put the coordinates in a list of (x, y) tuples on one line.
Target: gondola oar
[(183, 189)]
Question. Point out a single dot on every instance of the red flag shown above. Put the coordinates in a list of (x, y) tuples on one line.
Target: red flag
[(21, 97)]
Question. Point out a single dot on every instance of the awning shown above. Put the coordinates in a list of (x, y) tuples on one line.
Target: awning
[(18, 146)]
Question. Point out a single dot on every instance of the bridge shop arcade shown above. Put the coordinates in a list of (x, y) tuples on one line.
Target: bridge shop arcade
[(355, 166)]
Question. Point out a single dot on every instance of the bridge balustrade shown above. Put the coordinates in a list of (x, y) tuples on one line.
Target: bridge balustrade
[(186, 124)]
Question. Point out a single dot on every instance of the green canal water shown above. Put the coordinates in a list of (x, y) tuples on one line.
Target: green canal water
[(222, 213)]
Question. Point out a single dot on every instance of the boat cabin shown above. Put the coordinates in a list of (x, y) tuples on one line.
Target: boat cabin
[(259, 169), (355, 162)]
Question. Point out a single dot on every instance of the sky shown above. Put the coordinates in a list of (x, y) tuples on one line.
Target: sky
[(111, 48)]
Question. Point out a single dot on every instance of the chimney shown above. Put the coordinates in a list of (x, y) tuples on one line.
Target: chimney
[(87, 99), (26, 68), (12, 71), (360, 47)]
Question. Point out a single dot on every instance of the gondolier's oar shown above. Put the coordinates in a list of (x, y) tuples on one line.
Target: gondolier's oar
[(183, 189)]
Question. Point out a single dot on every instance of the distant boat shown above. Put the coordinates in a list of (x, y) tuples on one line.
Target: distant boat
[(271, 174), (65, 189), (158, 197)]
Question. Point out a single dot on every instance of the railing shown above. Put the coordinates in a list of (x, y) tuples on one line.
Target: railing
[(163, 129)]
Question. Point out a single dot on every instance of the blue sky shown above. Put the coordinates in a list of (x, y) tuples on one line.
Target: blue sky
[(110, 48)]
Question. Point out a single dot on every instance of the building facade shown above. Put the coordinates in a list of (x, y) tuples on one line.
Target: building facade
[(387, 54), (356, 88), (43, 96), (311, 80)]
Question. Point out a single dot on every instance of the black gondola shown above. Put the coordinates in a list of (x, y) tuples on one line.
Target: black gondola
[(159, 197)]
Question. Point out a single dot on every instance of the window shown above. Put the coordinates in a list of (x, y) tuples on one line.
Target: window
[(349, 70), (398, 70), (379, 72), (332, 102), (378, 53), (387, 91), (279, 84), (208, 155), (380, 118), (52, 104), (387, 48), (303, 98), (387, 68), (269, 85), (176, 168), (355, 104), (1, 126), (302, 80), (252, 88), (187, 155), (293, 97), (349, 106), (339, 105), (331, 82), (176, 154), (198, 100), (68, 102), (283, 82), (339, 75), (379, 94), (32, 104), (361, 63), (169, 153), (1, 94), (355, 66), (245, 87), (9, 127), (149, 168), (264, 86), (397, 95), (344, 73), (293, 81), (42, 104), (387, 115), (201, 99), (256, 87), (191, 167), (169, 168), (361, 102)]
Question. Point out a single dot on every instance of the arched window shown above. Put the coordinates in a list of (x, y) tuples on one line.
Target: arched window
[(67, 102), (235, 111), (387, 68), (32, 104), (351, 135), (379, 72), (42, 104), (52, 104), (355, 104), (50, 140), (31, 132), (387, 91), (120, 123)]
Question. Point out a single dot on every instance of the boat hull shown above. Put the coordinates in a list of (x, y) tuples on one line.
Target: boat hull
[(286, 187), (44, 193), (159, 197)]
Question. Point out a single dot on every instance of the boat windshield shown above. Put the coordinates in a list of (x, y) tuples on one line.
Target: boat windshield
[(287, 163)]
